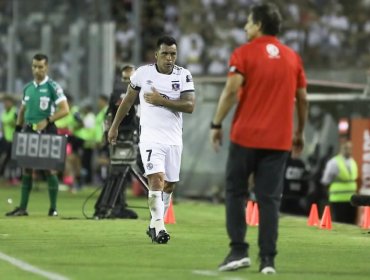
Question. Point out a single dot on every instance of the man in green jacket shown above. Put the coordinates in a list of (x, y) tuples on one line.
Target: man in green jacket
[(340, 175), (8, 123)]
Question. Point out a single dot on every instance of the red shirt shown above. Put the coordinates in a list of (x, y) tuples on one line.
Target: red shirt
[(272, 74)]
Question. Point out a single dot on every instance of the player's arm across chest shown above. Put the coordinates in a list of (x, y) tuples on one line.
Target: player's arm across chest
[(184, 102), (170, 95)]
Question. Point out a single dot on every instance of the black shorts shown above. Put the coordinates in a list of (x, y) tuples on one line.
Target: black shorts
[(51, 128), (76, 143)]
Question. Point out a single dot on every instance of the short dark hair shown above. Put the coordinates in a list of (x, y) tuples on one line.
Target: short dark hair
[(8, 97), (127, 66), (167, 40), (269, 16), (68, 96), (103, 97), (41, 56)]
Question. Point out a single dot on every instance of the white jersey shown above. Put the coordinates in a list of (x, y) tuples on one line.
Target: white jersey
[(159, 124)]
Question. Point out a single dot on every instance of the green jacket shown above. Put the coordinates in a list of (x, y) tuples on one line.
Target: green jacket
[(8, 120), (344, 185), (99, 125)]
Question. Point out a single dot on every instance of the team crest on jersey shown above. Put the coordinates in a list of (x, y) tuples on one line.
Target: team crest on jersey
[(273, 51), (44, 102), (175, 85), (149, 166), (189, 78)]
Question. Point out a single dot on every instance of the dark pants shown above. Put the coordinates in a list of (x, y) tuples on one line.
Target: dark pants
[(343, 212), (86, 161), (268, 169), (5, 154), (49, 129)]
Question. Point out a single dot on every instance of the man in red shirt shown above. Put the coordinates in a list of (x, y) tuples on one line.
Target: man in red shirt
[(265, 79)]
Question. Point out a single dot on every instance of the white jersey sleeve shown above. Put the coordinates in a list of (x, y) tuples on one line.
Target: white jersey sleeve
[(187, 81), (159, 124), (135, 81)]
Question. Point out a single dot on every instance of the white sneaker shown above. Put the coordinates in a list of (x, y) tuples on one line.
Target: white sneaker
[(267, 266), (233, 262), (268, 270)]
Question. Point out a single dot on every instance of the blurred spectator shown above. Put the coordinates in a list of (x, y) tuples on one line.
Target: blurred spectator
[(191, 48), (102, 160), (295, 190), (125, 36), (99, 123), (326, 33), (340, 176), (86, 132), (8, 124), (67, 126)]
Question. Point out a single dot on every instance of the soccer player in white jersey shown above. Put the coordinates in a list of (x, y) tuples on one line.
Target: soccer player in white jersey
[(166, 91)]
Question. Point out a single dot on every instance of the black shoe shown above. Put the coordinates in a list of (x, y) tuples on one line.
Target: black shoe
[(234, 261), (162, 237), (52, 213), (151, 233), (123, 213), (267, 265), (17, 212)]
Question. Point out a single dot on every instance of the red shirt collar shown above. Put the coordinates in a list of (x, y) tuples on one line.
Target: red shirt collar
[(265, 38)]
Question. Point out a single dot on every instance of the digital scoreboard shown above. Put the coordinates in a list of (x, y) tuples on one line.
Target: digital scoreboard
[(39, 151)]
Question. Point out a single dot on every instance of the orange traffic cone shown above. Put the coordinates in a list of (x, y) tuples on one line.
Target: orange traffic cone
[(366, 218), (249, 212), (169, 217), (325, 222), (313, 218), (255, 215)]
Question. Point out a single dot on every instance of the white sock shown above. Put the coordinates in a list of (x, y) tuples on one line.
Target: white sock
[(166, 201), (156, 207)]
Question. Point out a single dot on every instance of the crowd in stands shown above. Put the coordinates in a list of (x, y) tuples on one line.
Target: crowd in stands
[(327, 33), (331, 34)]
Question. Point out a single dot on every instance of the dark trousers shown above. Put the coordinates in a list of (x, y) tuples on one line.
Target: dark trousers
[(49, 129), (268, 169), (5, 154), (86, 161), (343, 212)]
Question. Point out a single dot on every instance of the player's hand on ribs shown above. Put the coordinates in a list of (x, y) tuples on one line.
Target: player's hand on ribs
[(154, 97)]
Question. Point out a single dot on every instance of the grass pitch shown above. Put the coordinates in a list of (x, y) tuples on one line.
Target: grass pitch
[(77, 248)]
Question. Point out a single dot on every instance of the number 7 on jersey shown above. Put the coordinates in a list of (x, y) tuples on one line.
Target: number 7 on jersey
[(149, 154)]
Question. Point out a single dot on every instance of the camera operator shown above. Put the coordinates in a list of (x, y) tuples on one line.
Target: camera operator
[(128, 130), (131, 122)]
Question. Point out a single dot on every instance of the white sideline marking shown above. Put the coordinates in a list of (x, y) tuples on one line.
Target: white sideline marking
[(213, 273), (206, 272), (27, 267)]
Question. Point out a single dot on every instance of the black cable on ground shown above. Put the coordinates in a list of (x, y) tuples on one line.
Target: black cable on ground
[(85, 202)]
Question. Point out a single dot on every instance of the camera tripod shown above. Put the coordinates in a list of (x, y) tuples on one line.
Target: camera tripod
[(123, 162)]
